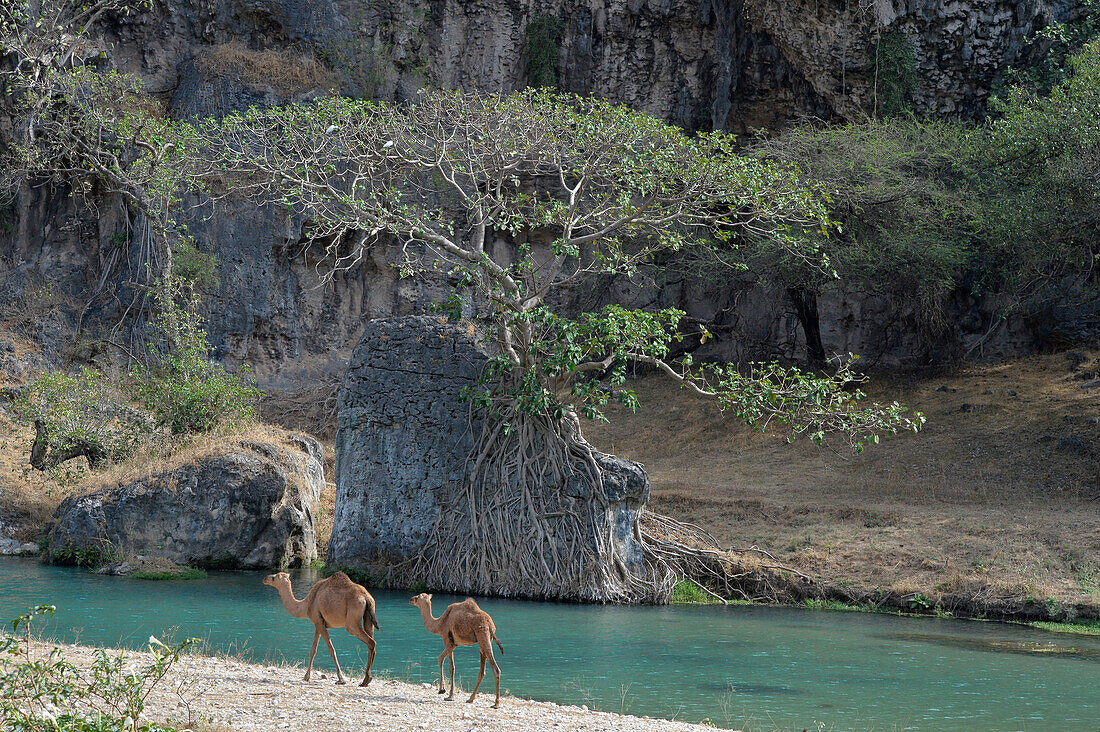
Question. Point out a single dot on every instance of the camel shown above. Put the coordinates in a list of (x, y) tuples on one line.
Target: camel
[(334, 602), (462, 624)]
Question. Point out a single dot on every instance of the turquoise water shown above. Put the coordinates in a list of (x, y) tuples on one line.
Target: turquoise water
[(766, 668)]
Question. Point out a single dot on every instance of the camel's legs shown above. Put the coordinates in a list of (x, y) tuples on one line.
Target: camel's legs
[(442, 657), (451, 658), (312, 651), (366, 635), (480, 676), (485, 643), (332, 652)]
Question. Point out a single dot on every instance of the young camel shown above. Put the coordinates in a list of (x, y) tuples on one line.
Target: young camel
[(462, 624), (334, 602)]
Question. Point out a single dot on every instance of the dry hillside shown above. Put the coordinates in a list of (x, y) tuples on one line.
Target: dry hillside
[(998, 497)]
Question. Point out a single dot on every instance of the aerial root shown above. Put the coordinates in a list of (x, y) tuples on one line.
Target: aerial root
[(533, 519)]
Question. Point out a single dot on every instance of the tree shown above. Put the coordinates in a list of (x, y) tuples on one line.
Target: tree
[(579, 187), (182, 388), (70, 119), (906, 196)]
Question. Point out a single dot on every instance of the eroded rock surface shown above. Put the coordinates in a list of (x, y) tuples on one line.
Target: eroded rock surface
[(252, 508), (401, 457)]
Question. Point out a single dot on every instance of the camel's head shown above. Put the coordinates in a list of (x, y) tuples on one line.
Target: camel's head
[(279, 578), (421, 600)]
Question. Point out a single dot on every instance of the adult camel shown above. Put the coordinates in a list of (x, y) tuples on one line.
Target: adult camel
[(334, 602)]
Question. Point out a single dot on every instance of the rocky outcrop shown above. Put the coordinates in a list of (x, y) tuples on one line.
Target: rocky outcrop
[(252, 507), (9, 545), (404, 438), (728, 64)]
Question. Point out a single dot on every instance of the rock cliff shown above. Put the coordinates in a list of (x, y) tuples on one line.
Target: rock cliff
[(733, 64)]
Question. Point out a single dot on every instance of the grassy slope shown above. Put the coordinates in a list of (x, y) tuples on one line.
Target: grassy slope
[(30, 497), (987, 501)]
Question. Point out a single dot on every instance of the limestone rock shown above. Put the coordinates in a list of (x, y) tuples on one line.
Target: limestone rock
[(403, 436), (401, 457), (9, 545), (251, 508)]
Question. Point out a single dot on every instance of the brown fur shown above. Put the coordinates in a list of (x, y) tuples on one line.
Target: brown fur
[(334, 602), (462, 624)]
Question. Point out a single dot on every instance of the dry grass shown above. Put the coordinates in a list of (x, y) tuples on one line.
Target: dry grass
[(31, 497), (1001, 491), (285, 72)]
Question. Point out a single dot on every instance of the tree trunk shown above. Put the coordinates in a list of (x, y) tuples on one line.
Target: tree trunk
[(805, 307), (45, 455)]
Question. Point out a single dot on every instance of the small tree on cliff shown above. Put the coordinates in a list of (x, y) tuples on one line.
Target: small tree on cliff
[(68, 118), (517, 198)]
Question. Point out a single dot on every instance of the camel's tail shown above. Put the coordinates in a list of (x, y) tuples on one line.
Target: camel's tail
[(368, 616), (497, 641)]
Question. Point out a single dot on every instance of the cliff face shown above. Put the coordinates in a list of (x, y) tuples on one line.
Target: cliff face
[(728, 64), (732, 64)]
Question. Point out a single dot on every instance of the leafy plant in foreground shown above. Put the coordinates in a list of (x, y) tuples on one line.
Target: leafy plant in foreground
[(47, 693)]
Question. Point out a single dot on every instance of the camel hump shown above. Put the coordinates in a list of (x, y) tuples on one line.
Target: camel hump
[(339, 578)]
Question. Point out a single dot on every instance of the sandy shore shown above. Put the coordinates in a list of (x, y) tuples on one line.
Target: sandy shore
[(215, 694)]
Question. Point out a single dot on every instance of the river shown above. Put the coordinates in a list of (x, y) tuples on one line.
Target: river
[(759, 667)]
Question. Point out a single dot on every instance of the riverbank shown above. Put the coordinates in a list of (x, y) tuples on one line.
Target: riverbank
[(218, 694)]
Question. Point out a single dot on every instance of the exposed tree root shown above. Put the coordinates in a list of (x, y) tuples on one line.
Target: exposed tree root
[(533, 519)]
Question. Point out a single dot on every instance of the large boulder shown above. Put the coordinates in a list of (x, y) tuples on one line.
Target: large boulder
[(250, 506), (403, 436), (403, 444)]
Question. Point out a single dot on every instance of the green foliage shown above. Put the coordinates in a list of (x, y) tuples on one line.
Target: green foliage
[(919, 603), (193, 267), (84, 408), (926, 209), (542, 50), (50, 694), (904, 194), (1081, 627), (895, 74), (184, 389), (1057, 45), (89, 558), (687, 592)]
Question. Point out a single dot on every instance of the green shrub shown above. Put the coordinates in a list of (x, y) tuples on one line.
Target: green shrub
[(543, 48), (88, 558), (687, 592), (895, 74), (186, 391), (194, 267), (48, 693), (81, 414)]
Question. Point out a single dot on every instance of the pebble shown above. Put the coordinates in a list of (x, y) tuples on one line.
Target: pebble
[(249, 700)]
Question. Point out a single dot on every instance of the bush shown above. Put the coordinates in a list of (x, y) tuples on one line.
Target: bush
[(49, 693), (80, 414), (687, 592), (542, 50), (184, 389)]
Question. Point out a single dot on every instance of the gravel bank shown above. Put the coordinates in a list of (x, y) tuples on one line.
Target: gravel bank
[(214, 695)]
